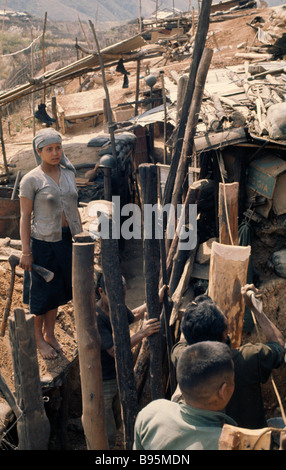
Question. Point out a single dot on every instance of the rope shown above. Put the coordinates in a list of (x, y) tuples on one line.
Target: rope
[(266, 430)]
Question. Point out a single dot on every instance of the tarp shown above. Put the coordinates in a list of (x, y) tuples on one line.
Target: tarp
[(156, 115)]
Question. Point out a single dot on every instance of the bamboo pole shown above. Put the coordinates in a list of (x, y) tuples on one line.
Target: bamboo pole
[(9, 397), (193, 117), (140, 16), (89, 342), (84, 33), (74, 70), (199, 45), (137, 86), (111, 125), (165, 115), (166, 313), (3, 23), (32, 75)]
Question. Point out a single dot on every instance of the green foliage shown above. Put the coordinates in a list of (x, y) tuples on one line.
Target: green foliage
[(13, 42)]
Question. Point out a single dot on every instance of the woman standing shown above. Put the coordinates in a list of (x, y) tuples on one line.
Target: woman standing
[(49, 219)]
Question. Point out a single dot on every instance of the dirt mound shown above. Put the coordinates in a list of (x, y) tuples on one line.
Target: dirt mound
[(65, 332)]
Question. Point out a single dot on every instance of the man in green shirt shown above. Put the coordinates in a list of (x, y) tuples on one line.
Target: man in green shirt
[(206, 378)]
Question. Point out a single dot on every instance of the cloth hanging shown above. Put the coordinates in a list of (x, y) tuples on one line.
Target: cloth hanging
[(121, 69)]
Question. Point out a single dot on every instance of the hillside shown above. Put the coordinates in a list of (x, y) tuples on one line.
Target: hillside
[(111, 11)]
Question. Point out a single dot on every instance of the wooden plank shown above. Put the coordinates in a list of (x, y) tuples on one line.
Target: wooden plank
[(79, 105), (225, 284), (228, 213), (235, 438), (222, 139)]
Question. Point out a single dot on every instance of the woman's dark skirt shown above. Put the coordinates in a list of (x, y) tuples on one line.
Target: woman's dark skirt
[(42, 296)]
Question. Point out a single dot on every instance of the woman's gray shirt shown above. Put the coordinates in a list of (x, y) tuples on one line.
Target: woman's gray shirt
[(50, 200)]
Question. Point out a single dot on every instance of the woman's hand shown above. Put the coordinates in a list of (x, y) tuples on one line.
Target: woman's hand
[(26, 261)]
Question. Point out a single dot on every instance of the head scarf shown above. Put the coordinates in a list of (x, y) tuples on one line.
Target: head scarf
[(46, 137)]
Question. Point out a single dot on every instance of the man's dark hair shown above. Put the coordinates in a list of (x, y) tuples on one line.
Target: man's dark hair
[(100, 283), (202, 368), (203, 321)]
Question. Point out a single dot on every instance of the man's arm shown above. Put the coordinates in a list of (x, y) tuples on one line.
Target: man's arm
[(140, 311), (271, 332), (149, 327)]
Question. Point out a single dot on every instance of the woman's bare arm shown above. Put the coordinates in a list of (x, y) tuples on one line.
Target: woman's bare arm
[(26, 208)]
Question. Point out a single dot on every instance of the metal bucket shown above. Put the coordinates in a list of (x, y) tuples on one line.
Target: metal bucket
[(9, 214)]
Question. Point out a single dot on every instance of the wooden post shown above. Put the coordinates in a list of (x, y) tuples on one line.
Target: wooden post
[(105, 115), (54, 111), (166, 313), (137, 86), (89, 342), (167, 306), (141, 367), (109, 110), (3, 147), (121, 335), (151, 254), (165, 115), (84, 33), (187, 147), (33, 426), (181, 92), (227, 275), (32, 76), (228, 213), (200, 39), (107, 184), (140, 17), (77, 58)]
